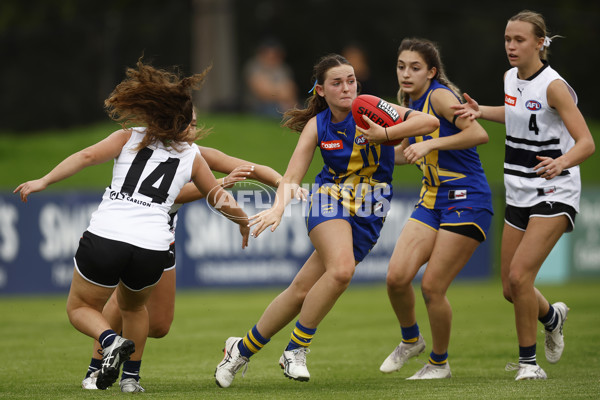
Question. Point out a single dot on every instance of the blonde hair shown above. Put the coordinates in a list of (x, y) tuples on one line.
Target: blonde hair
[(539, 28), (431, 55), (158, 99)]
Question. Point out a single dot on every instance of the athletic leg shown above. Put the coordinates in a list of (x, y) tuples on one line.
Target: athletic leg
[(540, 237), (413, 249), (450, 254), (161, 305)]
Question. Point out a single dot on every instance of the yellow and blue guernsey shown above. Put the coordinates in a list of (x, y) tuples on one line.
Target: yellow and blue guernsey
[(451, 178), (354, 184)]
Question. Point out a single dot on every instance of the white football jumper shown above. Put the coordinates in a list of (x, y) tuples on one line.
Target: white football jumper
[(534, 128), (135, 207)]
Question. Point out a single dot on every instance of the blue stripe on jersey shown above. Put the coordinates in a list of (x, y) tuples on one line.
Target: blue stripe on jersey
[(448, 171)]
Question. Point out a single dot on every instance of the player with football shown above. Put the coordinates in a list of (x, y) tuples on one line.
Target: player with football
[(546, 140), (345, 213), (452, 215), (126, 245)]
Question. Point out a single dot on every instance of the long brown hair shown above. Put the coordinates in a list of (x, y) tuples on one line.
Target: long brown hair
[(296, 119), (158, 99), (431, 55)]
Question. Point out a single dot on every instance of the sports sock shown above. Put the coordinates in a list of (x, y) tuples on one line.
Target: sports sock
[(131, 369), (301, 337), (410, 334), (438, 359), (95, 365), (107, 338), (252, 343), (549, 320), (527, 355)]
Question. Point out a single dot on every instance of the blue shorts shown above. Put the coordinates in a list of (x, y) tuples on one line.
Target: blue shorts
[(471, 222), (365, 229)]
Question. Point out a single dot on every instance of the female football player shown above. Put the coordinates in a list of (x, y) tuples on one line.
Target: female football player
[(452, 216), (126, 246), (345, 213), (161, 303), (546, 140)]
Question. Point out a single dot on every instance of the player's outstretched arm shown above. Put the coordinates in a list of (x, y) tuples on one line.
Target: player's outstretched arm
[(103, 151)]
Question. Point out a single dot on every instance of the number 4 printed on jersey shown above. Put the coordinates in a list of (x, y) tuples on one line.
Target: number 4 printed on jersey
[(533, 125)]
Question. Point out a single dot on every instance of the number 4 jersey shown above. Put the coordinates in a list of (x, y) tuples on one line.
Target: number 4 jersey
[(135, 207), (533, 128)]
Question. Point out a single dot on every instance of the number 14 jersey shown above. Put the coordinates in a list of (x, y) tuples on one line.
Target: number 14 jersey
[(135, 207)]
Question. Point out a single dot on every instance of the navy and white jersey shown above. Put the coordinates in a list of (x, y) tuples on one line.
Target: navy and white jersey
[(534, 128), (135, 207), (355, 171), (451, 178)]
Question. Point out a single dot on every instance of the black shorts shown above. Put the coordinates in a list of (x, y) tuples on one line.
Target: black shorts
[(518, 217), (171, 264), (105, 262)]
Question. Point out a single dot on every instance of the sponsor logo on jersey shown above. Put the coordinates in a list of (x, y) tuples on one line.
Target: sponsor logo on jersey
[(360, 140), (388, 109), (510, 100), (457, 194), (114, 195), (546, 191), (533, 105), (332, 145), (342, 133)]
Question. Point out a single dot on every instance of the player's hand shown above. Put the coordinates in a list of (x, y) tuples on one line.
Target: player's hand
[(301, 193), (245, 231), (416, 151), (238, 174), (548, 168), (25, 189), (375, 134), (264, 219), (469, 110)]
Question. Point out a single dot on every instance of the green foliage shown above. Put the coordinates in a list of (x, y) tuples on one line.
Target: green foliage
[(45, 357)]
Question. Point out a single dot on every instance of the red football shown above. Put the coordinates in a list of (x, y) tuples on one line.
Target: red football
[(377, 110)]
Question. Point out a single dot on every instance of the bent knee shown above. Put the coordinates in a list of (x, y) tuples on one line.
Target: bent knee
[(398, 282), (158, 331), (343, 276), (432, 292), (507, 294)]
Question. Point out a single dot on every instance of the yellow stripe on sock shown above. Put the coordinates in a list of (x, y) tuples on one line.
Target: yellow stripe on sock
[(298, 342), (413, 340), (437, 362), (255, 341), (250, 346), (302, 335)]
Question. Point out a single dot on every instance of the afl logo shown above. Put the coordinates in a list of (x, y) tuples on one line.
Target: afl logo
[(360, 140), (533, 105)]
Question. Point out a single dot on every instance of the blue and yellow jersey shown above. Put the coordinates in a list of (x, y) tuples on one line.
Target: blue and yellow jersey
[(451, 178), (355, 172)]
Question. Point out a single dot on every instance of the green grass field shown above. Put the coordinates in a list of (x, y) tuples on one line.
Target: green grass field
[(43, 356)]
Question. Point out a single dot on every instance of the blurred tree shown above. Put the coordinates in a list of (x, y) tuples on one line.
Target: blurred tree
[(61, 58)]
